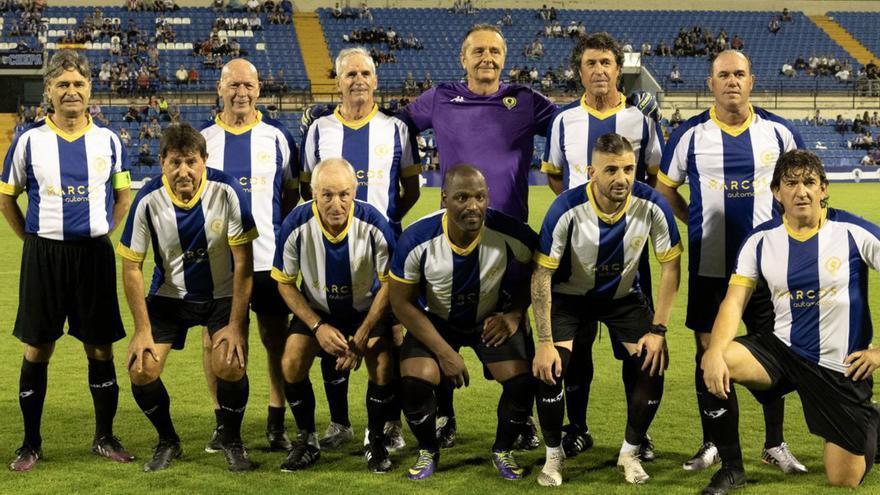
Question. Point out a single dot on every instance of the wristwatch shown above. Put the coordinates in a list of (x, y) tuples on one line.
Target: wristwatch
[(658, 329), (317, 325)]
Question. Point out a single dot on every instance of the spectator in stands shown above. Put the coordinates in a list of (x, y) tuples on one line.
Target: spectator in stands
[(132, 115), (843, 75), (547, 82), (676, 118), (268, 6), (163, 106), (145, 156), (253, 6), (506, 19), (193, 76), (365, 12), (663, 50), (816, 119), (181, 76), (218, 6), (867, 161), (840, 125), (627, 47), (786, 15), (875, 119), (427, 83), (737, 43), (124, 136), (774, 26), (144, 132), (875, 155), (409, 84), (533, 75), (255, 23), (858, 125), (675, 75), (787, 70)]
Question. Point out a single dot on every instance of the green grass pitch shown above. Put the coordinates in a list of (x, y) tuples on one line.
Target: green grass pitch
[(69, 467)]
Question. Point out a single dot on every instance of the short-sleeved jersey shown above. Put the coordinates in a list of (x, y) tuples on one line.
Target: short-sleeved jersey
[(818, 282), (495, 133), (378, 146), (339, 273), (575, 129), (263, 158), (729, 172), (190, 240), (462, 285), (69, 179), (596, 254)]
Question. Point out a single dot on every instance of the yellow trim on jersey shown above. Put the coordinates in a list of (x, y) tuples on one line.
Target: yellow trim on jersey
[(305, 177), (238, 240), (733, 131), (653, 169), (411, 171), (808, 234), (665, 180), (607, 113), (121, 180), (238, 130), (383, 277), (130, 254), (742, 281), (671, 254), (330, 237), (9, 189), (546, 261), (550, 169), (196, 197), (402, 280), (291, 184), (356, 124), (282, 277), (458, 250), (605, 217), (69, 136)]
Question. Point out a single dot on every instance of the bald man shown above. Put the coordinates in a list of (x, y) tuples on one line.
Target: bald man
[(260, 154)]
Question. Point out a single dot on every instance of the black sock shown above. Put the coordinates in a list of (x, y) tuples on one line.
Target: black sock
[(153, 400), (551, 405), (301, 398), (774, 416), (379, 400), (218, 418), (275, 418), (420, 409), (578, 378), (702, 393), (232, 397), (336, 388), (394, 409), (514, 407), (445, 406), (105, 395), (722, 418), (643, 401), (31, 396)]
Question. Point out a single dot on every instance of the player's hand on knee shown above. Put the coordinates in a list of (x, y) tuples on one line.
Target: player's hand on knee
[(862, 364), (236, 344), (141, 348), (547, 365), (654, 347), (716, 374), (453, 367), (498, 328), (331, 340)]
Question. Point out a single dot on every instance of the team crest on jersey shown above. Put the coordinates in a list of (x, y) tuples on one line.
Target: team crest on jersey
[(636, 242), (216, 226), (382, 150), (100, 164), (769, 157), (263, 157), (509, 102), (832, 264)]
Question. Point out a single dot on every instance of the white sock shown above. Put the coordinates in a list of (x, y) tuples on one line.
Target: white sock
[(628, 448), (554, 451)]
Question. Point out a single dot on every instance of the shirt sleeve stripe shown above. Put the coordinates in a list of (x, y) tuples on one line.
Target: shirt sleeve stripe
[(410, 171), (403, 280), (664, 179), (549, 168), (546, 261), (737, 279), (282, 277), (9, 189), (291, 184), (670, 255), (382, 277), (130, 254), (121, 180), (248, 236)]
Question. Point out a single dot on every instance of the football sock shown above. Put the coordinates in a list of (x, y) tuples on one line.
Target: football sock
[(31, 396), (774, 416), (105, 395), (153, 400), (445, 405), (301, 398), (379, 399), (551, 405), (420, 409), (336, 388), (578, 378), (514, 407), (275, 418), (233, 397), (643, 402)]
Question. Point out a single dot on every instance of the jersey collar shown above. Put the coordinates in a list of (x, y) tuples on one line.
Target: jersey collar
[(70, 136), (238, 130), (605, 217), (335, 239), (196, 197), (356, 124), (455, 249), (607, 113), (733, 131), (805, 236)]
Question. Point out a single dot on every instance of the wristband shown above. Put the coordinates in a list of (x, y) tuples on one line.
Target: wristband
[(658, 329), (317, 324)]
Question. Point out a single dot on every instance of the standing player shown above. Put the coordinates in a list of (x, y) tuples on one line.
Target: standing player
[(260, 154), (815, 262), (451, 287), (571, 138), (387, 168), (77, 182), (591, 241), (199, 223), (727, 154), (342, 247)]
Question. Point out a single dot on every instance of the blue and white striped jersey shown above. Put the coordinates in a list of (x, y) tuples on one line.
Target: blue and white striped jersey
[(818, 282), (575, 129), (263, 158), (729, 171), (69, 179), (462, 285), (596, 254), (339, 273), (378, 146), (190, 240)]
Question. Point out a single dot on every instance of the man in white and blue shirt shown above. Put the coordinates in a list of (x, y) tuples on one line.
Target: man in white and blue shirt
[(75, 174), (815, 261), (199, 224)]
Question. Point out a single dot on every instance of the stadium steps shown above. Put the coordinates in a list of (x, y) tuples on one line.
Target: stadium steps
[(315, 53), (7, 130), (857, 50)]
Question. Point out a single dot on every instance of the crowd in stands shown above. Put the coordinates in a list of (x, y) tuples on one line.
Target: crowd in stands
[(22, 5), (350, 13), (151, 6), (816, 66), (561, 78), (776, 20), (382, 35), (463, 7)]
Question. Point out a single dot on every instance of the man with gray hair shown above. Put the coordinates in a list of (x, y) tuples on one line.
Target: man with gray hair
[(340, 246), (77, 181)]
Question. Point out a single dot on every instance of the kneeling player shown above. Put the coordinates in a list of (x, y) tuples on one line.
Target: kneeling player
[(340, 246), (199, 223), (449, 288), (588, 257), (814, 260)]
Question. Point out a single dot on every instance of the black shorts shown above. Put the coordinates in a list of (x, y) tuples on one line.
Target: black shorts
[(171, 318), (265, 298), (704, 299), (627, 318), (68, 280), (513, 349), (348, 326), (835, 407)]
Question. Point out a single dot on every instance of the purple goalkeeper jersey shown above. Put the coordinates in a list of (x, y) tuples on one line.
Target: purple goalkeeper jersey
[(495, 133)]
